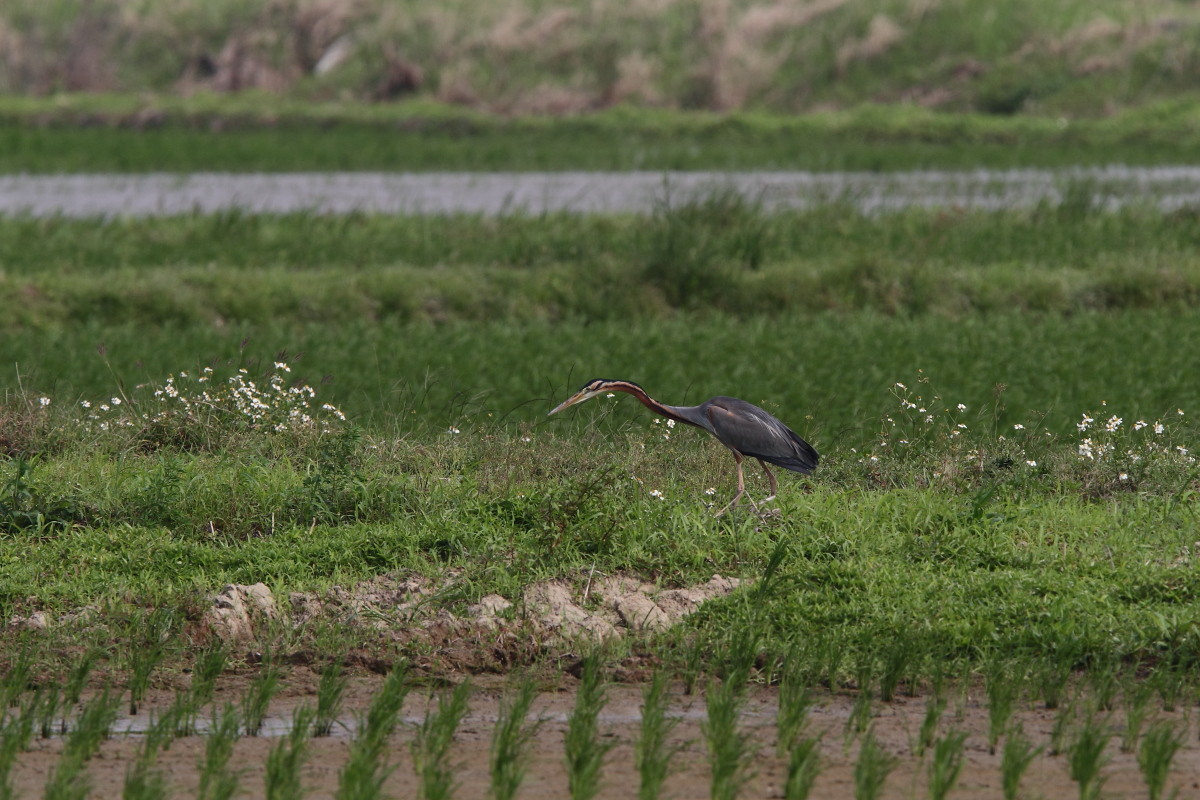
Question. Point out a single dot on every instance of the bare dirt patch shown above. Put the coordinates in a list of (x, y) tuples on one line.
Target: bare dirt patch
[(411, 610), (896, 725)]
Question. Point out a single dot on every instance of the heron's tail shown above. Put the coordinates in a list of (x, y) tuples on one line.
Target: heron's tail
[(803, 459)]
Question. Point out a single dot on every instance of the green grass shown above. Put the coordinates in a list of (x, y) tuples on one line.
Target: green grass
[(264, 135), (695, 253)]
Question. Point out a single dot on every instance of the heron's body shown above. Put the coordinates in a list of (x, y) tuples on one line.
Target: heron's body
[(744, 428)]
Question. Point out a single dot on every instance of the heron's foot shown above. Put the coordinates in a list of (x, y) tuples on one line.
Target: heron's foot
[(732, 503)]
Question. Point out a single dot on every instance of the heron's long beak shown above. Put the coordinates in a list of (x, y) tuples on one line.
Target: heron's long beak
[(578, 397)]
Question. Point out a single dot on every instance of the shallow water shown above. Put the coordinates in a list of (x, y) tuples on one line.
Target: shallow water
[(160, 194)]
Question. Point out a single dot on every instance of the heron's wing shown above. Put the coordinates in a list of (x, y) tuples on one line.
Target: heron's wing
[(751, 431)]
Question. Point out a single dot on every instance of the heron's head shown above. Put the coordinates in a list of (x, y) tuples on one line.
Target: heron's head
[(591, 389)]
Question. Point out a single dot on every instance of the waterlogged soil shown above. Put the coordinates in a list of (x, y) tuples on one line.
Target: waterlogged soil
[(896, 725)]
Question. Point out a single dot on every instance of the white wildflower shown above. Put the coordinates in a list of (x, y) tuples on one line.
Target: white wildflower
[(962, 407), (116, 401), (670, 423), (43, 401), (1083, 424), (962, 425), (104, 406), (710, 491), (1113, 423), (453, 429), (656, 493), (1141, 423), (1086, 450), (899, 385), (1018, 427), (1031, 463), (1183, 451), (282, 366), (1124, 476), (610, 394), (88, 403), (1158, 427)]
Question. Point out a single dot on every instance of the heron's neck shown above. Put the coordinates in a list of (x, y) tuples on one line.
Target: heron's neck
[(670, 412)]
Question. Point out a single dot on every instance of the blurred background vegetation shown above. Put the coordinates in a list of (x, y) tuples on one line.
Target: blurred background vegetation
[(1066, 57)]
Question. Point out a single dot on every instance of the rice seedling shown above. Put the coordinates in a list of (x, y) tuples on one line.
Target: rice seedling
[(898, 657), (1051, 677), (1063, 721), (1085, 757), (431, 745), (257, 698), (217, 781), (77, 677), (653, 751), (1136, 697), (362, 777), (15, 680), (207, 667), (69, 781), (51, 713), (282, 776), (730, 751), (946, 765), (329, 697), (1171, 684), (804, 765), (795, 701), (146, 653), (585, 751), (1002, 683), (861, 711), (1015, 759), (93, 724), (511, 740), (1160, 744), (935, 706), (872, 768), (143, 782), (1105, 681)]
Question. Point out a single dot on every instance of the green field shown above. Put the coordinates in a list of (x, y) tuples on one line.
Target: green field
[(87, 133), (418, 327), (1006, 497)]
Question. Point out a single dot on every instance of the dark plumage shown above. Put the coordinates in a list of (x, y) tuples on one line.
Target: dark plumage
[(743, 427)]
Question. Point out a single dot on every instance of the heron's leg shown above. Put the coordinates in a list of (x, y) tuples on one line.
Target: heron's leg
[(741, 484), (771, 478)]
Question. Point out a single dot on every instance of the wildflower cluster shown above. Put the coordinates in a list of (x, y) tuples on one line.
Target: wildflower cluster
[(1106, 442), (919, 425), (927, 439), (200, 398)]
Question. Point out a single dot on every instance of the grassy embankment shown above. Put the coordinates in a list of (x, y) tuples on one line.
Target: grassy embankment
[(1056, 58)]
